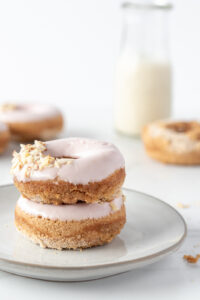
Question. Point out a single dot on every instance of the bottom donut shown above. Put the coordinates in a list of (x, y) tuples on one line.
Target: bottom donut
[(75, 226)]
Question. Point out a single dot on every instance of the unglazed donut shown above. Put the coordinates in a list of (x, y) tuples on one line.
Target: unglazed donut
[(173, 142), (28, 122), (73, 226), (69, 170), (4, 137)]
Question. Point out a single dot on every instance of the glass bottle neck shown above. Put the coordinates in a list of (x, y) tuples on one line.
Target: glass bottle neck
[(145, 33)]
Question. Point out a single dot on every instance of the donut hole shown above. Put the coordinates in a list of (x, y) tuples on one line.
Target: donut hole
[(55, 153), (192, 129), (180, 127), (66, 157)]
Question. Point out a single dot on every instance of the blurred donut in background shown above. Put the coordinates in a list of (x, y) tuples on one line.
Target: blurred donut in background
[(28, 122), (4, 137), (173, 142)]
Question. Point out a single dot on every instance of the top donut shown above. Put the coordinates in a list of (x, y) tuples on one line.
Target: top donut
[(174, 142), (69, 170), (28, 121)]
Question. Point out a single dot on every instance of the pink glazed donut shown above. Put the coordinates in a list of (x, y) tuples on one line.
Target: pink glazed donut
[(28, 122), (69, 170), (72, 226)]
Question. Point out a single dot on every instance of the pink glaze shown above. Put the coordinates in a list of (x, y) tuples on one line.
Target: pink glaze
[(3, 127), (79, 211), (28, 113), (94, 161)]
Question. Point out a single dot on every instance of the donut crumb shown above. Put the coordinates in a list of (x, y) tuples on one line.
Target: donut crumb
[(191, 259), (182, 205), (113, 206)]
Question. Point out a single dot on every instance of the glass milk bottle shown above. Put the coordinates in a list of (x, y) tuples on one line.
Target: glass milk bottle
[(143, 70)]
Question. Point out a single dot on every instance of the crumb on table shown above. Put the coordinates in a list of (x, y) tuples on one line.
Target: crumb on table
[(191, 259), (181, 205)]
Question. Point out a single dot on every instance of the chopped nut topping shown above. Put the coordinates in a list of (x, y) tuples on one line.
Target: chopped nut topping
[(7, 106), (113, 206), (32, 157)]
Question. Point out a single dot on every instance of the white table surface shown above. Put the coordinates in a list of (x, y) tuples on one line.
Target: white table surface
[(171, 278)]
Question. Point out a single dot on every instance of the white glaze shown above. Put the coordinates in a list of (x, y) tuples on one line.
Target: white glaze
[(67, 212), (178, 141), (95, 161), (3, 127), (28, 113)]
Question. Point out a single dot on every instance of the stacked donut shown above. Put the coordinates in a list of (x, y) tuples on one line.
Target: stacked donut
[(70, 192)]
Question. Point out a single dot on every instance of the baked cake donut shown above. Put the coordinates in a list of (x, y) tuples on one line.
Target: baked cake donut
[(28, 122), (69, 170), (173, 142), (70, 192), (72, 226), (4, 137)]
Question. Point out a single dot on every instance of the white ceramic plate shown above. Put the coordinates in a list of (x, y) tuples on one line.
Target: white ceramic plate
[(153, 230)]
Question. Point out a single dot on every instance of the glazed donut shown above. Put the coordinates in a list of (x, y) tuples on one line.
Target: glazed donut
[(28, 122), (4, 137), (72, 226), (69, 170), (173, 142)]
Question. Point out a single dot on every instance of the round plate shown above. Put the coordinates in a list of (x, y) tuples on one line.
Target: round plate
[(153, 230)]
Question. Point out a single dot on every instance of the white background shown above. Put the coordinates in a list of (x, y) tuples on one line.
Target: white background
[(64, 52)]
